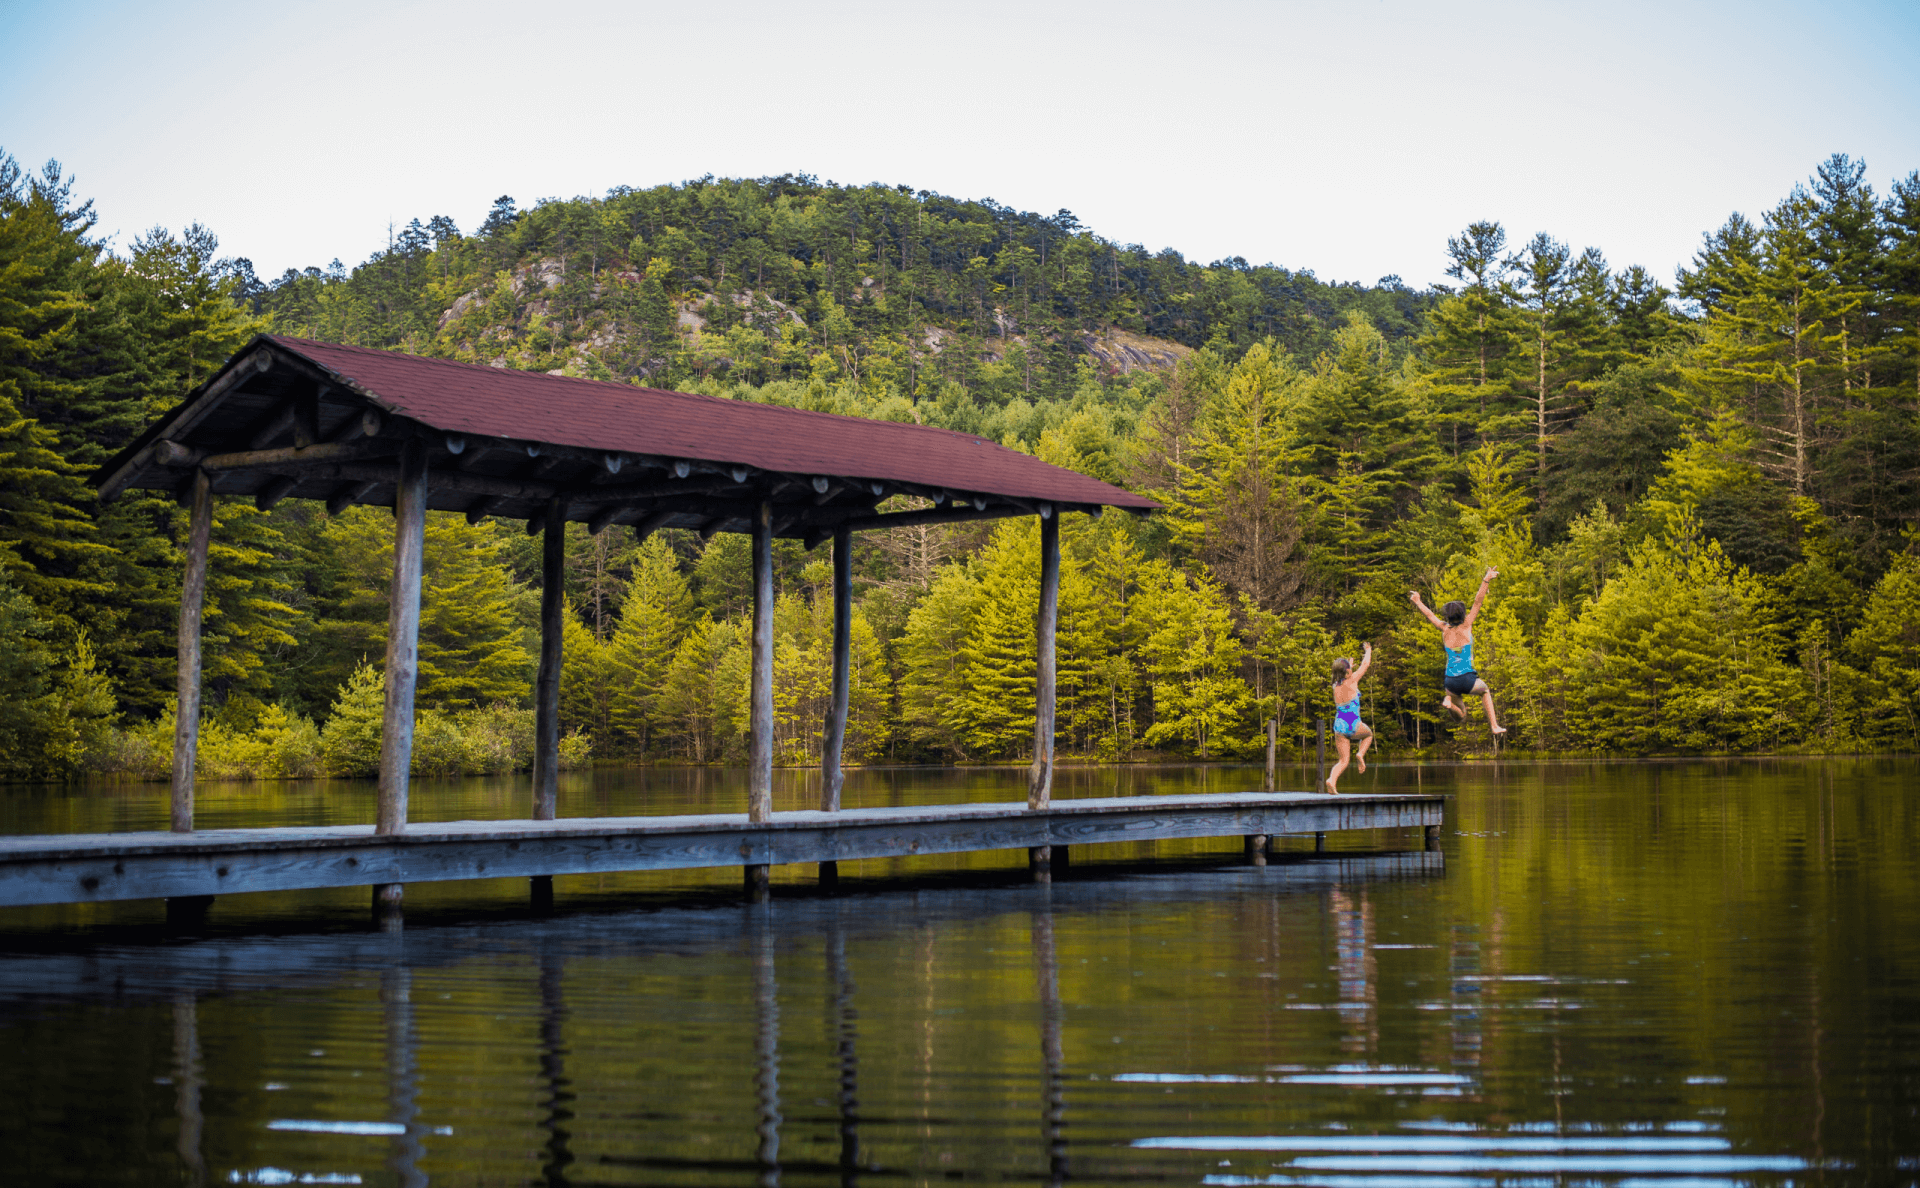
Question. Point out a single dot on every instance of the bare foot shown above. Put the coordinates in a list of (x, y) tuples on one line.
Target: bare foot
[(1331, 790), (1496, 730), (1458, 711), (1360, 763)]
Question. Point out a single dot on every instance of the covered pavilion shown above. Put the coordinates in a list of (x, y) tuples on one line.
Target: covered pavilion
[(290, 417)]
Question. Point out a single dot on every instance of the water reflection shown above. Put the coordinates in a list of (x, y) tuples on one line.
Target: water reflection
[(1608, 975), (843, 1029), (1046, 975), (766, 1035), (557, 1105), (187, 1086), (396, 1003)]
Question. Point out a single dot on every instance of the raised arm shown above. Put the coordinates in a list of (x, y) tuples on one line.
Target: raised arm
[(1480, 595), (1422, 607), (1366, 662)]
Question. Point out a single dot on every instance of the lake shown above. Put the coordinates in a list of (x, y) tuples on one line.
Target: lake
[(1667, 973)]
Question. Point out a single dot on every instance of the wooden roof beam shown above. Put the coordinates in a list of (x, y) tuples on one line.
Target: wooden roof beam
[(347, 494)]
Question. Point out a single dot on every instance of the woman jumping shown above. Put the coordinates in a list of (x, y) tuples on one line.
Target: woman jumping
[(1347, 725), (1456, 636)]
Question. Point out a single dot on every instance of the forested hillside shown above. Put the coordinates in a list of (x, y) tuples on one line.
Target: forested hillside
[(1703, 504)]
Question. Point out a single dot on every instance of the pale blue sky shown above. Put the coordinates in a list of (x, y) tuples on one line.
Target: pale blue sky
[(1350, 139)]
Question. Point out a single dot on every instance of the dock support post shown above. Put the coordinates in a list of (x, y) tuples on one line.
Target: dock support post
[(1273, 741), (1256, 849), (1320, 753), (759, 882), (546, 692), (830, 774), (1319, 843), (1433, 837), (386, 905), (1040, 776), (1040, 863), (403, 655), (760, 750), (193, 596)]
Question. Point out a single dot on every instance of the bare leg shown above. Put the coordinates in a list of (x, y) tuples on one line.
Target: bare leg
[(1366, 740), (1458, 710), (1486, 696), (1333, 777)]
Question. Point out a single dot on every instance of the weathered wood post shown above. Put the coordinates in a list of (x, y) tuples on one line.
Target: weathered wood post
[(193, 596), (831, 776), (1320, 753), (546, 692), (1040, 775), (546, 695), (1273, 742), (760, 722), (403, 652)]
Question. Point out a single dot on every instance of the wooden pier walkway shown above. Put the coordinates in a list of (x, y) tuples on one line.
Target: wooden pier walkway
[(93, 867)]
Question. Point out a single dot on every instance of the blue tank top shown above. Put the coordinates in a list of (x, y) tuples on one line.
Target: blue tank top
[(1459, 661)]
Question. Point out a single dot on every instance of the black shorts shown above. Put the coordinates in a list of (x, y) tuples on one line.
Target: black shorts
[(1462, 683)]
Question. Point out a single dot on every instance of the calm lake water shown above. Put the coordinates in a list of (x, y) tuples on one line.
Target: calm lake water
[(1686, 973)]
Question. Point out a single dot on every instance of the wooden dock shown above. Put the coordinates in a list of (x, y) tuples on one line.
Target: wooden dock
[(95, 867)]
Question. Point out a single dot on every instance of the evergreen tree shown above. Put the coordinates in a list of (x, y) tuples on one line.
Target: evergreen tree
[(472, 615), (655, 615), (1467, 337)]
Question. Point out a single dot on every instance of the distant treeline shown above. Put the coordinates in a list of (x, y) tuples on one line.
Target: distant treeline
[(1703, 504)]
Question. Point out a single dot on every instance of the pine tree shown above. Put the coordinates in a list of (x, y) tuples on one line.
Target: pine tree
[(1365, 449), (1555, 299), (1236, 507), (1467, 338), (473, 616), (655, 614)]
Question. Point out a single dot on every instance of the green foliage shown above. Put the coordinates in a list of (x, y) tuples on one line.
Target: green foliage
[(1886, 646), (350, 743), (471, 611), (655, 616), (1698, 509)]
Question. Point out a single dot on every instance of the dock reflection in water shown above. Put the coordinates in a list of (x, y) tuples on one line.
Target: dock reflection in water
[(1609, 974)]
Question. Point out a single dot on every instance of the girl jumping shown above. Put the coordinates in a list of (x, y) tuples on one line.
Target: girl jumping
[(1456, 636), (1347, 725)]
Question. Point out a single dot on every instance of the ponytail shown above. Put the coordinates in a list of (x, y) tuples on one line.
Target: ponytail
[(1341, 668)]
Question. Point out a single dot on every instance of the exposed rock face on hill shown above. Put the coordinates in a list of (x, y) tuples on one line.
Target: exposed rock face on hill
[(1123, 351), (497, 317)]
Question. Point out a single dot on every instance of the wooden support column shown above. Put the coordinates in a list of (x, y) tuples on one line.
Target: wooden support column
[(193, 596), (760, 758), (831, 776), (403, 644), (546, 692), (1273, 743), (1040, 775)]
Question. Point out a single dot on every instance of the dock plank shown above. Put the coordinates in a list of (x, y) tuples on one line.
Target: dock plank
[(91, 867)]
